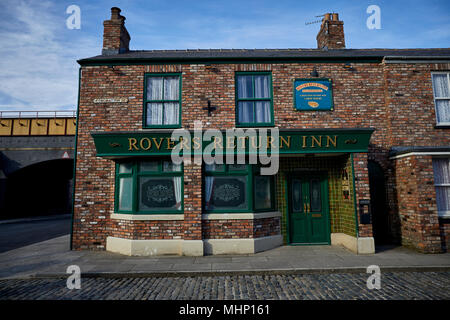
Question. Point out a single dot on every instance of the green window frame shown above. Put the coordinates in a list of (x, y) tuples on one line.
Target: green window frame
[(133, 172), (253, 100), (250, 173), (147, 100)]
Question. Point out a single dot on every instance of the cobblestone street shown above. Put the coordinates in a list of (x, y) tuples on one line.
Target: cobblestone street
[(394, 285)]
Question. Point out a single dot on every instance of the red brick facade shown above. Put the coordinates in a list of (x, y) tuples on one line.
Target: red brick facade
[(394, 99)]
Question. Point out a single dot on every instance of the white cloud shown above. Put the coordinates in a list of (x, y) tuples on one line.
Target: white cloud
[(39, 69)]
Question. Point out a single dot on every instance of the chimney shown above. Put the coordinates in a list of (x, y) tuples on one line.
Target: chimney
[(116, 38), (331, 34)]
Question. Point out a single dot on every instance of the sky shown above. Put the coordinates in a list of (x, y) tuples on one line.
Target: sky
[(38, 52)]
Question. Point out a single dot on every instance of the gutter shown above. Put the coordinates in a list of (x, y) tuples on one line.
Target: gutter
[(416, 59)]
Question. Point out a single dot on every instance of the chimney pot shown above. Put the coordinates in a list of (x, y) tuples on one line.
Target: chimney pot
[(116, 38), (115, 13), (331, 33)]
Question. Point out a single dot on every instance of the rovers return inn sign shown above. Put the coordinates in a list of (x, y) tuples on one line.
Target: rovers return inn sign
[(313, 94), (157, 143)]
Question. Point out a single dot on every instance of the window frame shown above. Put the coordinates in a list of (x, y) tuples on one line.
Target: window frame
[(145, 101), (447, 123), (135, 174), (250, 173), (441, 214), (237, 100)]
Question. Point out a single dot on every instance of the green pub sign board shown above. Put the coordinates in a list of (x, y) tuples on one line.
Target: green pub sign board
[(313, 94), (121, 144)]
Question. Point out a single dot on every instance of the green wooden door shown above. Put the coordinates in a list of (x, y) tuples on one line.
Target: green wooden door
[(308, 209)]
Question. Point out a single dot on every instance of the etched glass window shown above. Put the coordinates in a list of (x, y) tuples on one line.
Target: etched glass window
[(149, 186), (236, 188), (263, 192)]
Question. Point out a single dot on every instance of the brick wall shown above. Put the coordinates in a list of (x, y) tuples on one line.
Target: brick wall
[(417, 203), (396, 100)]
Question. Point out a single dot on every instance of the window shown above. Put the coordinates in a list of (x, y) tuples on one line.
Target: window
[(150, 186), (254, 103), (237, 188), (162, 101), (441, 168), (441, 91)]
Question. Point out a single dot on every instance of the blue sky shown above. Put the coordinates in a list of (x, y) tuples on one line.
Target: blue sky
[(38, 52)]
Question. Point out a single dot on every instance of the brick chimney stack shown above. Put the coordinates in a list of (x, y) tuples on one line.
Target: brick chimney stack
[(331, 34), (116, 38)]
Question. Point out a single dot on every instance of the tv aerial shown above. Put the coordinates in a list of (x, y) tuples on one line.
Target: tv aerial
[(316, 21)]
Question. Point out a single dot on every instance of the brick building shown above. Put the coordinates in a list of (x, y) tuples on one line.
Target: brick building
[(363, 137)]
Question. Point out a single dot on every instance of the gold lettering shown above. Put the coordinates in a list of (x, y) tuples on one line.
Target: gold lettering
[(184, 143), (230, 143), (158, 145), (132, 144), (318, 142), (270, 140), (286, 142), (304, 142), (253, 143), (218, 141), (333, 142), (170, 143), (149, 143), (196, 141), (242, 141)]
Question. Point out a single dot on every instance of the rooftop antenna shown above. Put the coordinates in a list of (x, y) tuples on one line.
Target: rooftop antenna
[(316, 21)]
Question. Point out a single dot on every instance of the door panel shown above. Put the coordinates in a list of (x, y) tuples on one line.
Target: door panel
[(308, 209)]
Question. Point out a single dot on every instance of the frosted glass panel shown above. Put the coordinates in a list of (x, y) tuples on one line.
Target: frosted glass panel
[(125, 193)]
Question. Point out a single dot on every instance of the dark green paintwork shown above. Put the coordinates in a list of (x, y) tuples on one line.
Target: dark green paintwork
[(308, 225), (116, 145)]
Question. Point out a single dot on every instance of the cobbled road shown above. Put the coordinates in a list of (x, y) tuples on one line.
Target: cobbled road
[(394, 285)]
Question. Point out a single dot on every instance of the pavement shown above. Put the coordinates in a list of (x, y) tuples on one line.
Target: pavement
[(51, 258)]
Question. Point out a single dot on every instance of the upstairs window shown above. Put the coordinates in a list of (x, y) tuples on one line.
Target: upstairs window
[(441, 91), (162, 101), (254, 101)]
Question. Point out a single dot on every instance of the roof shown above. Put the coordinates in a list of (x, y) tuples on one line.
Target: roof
[(267, 55)]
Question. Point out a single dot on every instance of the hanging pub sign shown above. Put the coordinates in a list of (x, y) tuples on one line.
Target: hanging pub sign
[(313, 94)]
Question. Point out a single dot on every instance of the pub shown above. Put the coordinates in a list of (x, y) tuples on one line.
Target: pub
[(358, 140)]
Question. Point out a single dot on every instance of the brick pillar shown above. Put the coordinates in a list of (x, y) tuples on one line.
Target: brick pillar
[(362, 189), (192, 227), (416, 197)]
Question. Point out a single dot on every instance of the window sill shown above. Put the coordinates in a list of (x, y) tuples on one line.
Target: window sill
[(237, 216), (255, 125), (147, 217), (444, 214), (442, 126)]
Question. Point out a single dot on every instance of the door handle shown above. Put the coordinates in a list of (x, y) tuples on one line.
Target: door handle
[(309, 207)]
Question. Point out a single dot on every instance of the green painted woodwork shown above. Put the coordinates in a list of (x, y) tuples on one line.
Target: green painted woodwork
[(308, 209), (159, 143)]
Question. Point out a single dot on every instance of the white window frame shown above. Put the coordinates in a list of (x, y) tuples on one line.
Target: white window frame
[(446, 213), (440, 98)]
